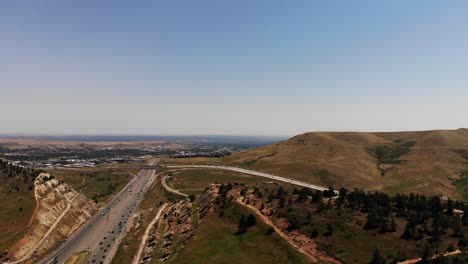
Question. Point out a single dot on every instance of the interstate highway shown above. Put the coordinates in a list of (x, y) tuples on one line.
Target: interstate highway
[(102, 233)]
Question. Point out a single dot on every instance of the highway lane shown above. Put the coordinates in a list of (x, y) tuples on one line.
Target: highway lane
[(102, 233), (255, 173)]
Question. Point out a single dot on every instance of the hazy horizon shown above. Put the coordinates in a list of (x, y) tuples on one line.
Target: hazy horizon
[(116, 134), (232, 68)]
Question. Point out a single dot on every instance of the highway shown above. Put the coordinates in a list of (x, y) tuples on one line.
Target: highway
[(102, 234), (255, 173)]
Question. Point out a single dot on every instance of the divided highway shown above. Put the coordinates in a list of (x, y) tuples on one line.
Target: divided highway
[(101, 235)]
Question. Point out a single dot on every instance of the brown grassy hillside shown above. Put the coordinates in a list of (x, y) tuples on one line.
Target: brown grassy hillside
[(17, 203), (427, 162)]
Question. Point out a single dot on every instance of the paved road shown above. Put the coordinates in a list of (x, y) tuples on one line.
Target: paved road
[(102, 233), (255, 173)]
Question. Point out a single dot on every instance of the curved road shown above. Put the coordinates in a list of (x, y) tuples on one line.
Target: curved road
[(169, 189), (255, 173), (258, 214)]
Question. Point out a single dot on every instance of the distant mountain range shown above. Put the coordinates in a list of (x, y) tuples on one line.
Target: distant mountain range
[(247, 141)]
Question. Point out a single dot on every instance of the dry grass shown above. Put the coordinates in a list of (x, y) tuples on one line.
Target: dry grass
[(194, 181), (13, 221), (79, 258), (94, 182), (344, 159), (215, 242)]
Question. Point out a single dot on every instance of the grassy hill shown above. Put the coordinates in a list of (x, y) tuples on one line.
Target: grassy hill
[(17, 206), (353, 225), (97, 183), (427, 162), (215, 242)]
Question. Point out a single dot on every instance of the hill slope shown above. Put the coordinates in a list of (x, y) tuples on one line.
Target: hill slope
[(18, 204), (427, 162)]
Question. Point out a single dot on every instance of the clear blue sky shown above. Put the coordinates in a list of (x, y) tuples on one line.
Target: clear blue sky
[(232, 67)]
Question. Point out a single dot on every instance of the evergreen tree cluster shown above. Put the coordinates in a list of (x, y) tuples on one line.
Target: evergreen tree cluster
[(17, 178), (245, 223), (223, 190), (425, 217)]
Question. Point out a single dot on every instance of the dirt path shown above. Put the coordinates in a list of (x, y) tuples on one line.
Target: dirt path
[(259, 214), (169, 189), (277, 230), (413, 261), (31, 220), (137, 257), (52, 228)]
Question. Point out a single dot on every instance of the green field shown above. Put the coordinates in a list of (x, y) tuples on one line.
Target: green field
[(98, 183), (215, 242), (194, 181), (16, 210), (461, 185), (17, 203)]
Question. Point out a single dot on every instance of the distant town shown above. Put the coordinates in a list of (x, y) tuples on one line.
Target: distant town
[(54, 157)]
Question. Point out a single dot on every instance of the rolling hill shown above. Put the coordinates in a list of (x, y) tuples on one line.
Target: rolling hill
[(426, 162), (18, 204)]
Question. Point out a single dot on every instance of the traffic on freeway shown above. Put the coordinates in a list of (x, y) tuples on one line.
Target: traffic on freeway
[(101, 235)]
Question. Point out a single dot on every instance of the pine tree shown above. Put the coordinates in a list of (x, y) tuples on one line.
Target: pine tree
[(314, 233), (426, 254), (251, 220), (393, 226), (377, 258), (282, 201), (280, 192), (242, 227)]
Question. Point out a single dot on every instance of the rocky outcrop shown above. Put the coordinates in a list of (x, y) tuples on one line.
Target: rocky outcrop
[(61, 210), (177, 225), (206, 200), (301, 242)]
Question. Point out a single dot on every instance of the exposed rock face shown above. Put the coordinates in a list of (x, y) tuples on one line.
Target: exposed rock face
[(177, 225), (178, 222), (174, 227), (301, 242), (206, 200), (60, 208)]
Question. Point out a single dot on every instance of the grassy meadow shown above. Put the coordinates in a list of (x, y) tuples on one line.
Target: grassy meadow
[(16, 211), (99, 183), (215, 242)]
